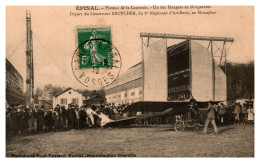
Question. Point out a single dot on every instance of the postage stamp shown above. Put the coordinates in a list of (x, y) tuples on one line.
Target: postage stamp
[(96, 62)]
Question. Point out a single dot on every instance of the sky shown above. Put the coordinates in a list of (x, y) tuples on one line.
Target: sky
[(54, 36)]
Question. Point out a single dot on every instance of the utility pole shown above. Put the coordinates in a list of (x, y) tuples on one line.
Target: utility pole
[(29, 61), (213, 71)]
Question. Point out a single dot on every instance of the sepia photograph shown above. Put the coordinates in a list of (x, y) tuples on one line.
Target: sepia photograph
[(130, 81)]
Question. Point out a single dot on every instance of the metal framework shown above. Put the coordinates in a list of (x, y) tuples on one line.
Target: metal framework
[(29, 60), (211, 44)]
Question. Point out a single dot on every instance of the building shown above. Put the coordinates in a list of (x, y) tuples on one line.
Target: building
[(127, 88), (14, 86), (193, 72), (174, 73), (68, 96), (46, 99), (94, 98)]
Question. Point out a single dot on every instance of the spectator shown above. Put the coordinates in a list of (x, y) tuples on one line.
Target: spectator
[(216, 108), (14, 120), (70, 115), (63, 116), (56, 118), (40, 119), (83, 116), (48, 120), (20, 119), (236, 112), (106, 110), (32, 119), (230, 116), (221, 113), (73, 116), (115, 110), (243, 114), (251, 113), (77, 117), (26, 118)]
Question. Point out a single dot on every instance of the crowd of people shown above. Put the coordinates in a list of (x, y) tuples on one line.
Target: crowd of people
[(234, 114), (220, 114), (36, 119), (22, 119)]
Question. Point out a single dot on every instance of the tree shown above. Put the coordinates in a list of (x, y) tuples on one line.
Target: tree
[(49, 87), (38, 92), (240, 80)]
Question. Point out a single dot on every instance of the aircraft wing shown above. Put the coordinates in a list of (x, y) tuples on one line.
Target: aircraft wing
[(131, 120), (121, 122), (155, 114)]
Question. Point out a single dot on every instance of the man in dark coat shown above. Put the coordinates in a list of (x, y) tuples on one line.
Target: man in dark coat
[(71, 115), (20, 119), (63, 116), (48, 120), (83, 116), (26, 118), (77, 119), (40, 119)]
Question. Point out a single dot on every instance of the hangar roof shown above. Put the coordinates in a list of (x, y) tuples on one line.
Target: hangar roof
[(133, 73)]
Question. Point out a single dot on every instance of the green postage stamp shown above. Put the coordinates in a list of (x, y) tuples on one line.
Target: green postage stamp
[(96, 61), (96, 47)]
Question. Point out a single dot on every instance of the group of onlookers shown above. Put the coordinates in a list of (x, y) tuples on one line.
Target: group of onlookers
[(36, 119), (234, 114), (22, 119)]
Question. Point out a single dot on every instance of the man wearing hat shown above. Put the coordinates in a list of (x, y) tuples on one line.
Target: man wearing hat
[(20, 119), (221, 113), (48, 120), (31, 118), (210, 118), (83, 116), (71, 115), (237, 111), (40, 119), (14, 120), (193, 112), (77, 117), (243, 114), (63, 116)]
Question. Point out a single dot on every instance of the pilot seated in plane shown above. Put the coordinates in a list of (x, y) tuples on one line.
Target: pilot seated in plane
[(192, 111)]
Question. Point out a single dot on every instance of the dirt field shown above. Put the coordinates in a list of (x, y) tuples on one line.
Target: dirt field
[(149, 141)]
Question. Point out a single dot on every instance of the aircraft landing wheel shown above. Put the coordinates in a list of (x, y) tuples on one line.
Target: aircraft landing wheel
[(179, 126)]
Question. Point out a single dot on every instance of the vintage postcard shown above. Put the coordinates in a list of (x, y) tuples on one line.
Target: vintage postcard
[(130, 81)]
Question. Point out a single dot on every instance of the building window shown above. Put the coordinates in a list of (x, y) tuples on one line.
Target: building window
[(125, 94), (133, 93), (75, 101), (140, 92), (63, 101), (119, 96)]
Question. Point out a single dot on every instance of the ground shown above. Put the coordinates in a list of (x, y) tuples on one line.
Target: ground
[(148, 141)]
